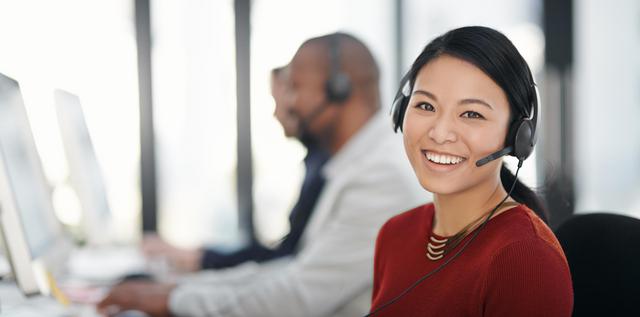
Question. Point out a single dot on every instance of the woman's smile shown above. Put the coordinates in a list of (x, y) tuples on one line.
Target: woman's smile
[(441, 162)]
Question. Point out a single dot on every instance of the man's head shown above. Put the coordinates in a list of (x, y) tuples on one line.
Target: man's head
[(329, 111)]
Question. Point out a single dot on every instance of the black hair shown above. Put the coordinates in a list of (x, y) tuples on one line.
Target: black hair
[(493, 53)]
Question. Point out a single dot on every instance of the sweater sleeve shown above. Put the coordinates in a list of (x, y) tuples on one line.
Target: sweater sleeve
[(528, 278)]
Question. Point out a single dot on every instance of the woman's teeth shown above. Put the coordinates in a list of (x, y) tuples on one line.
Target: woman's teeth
[(443, 158)]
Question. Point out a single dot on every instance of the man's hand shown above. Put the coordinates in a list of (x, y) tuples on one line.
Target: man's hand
[(149, 297), (184, 260)]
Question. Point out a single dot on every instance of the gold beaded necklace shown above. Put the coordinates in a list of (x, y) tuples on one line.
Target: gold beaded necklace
[(438, 248)]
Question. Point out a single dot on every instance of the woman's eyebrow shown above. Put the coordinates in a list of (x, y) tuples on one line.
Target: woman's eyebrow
[(426, 93), (475, 100), (462, 102)]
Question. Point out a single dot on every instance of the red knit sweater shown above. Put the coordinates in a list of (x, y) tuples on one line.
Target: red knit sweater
[(514, 267)]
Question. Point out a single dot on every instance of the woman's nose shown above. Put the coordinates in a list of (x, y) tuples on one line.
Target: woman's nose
[(443, 131)]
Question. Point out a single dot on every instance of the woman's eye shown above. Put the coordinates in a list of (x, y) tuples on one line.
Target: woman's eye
[(472, 115), (425, 106)]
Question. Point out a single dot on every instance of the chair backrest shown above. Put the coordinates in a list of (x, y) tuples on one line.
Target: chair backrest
[(603, 251)]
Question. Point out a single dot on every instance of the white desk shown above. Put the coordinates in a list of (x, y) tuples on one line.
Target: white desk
[(100, 267), (14, 304)]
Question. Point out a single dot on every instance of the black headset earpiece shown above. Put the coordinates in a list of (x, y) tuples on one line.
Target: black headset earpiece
[(399, 106), (397, 111), (522, 140), (522, 133), (338, 85)]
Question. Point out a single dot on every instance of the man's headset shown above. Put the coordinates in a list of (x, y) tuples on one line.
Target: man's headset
[(337, 87), (521, 137)]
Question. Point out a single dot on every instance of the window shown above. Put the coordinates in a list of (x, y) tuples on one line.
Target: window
[(194, 95)]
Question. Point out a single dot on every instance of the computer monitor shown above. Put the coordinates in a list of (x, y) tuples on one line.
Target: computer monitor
[(84, 170), (35, 242)]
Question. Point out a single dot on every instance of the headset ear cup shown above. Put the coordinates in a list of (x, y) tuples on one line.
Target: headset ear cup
[(398, 109), (338, 85), (338, 88), (523, 139)]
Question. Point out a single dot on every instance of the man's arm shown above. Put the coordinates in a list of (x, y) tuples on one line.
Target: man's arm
[(334, 267), (212, 259)]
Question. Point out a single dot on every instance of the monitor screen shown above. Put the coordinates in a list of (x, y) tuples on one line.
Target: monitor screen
[(27, 213), (24, 171), (84, 168)]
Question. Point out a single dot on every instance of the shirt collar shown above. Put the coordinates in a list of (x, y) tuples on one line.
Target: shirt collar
[(358, 146)]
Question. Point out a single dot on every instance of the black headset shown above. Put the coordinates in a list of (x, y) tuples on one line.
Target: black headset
[(338, 85), (521, 137)]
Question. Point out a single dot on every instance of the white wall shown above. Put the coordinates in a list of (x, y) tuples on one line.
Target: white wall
[(607, 108)]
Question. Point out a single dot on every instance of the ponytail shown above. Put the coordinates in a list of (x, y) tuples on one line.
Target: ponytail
[(523, 194)]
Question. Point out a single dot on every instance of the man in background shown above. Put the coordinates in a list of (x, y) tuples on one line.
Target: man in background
[(190, 260)]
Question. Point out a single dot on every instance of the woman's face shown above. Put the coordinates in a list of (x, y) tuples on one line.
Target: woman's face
[(456, 116)]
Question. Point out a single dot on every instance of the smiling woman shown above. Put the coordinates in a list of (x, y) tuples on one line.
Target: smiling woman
[(468, 100)]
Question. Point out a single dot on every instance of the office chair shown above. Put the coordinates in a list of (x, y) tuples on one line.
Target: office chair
[(603, 251)]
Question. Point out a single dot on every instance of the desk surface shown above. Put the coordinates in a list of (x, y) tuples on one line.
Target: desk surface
[(14, 304), (91, 272)]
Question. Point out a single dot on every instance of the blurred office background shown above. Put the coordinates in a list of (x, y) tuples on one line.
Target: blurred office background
[(176, 96)]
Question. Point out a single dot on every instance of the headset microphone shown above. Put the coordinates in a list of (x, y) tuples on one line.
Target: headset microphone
[(494, 156)]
